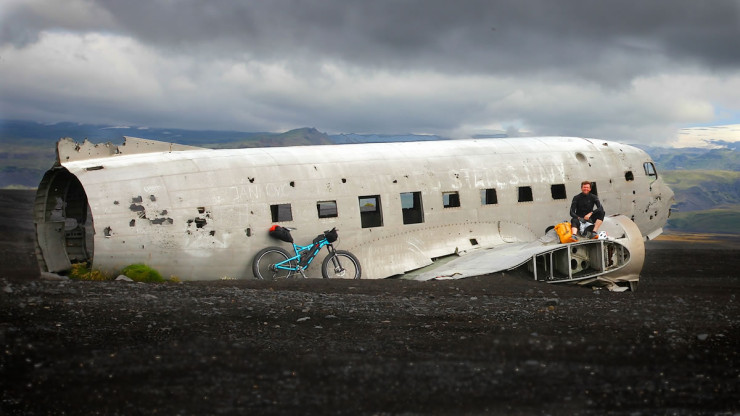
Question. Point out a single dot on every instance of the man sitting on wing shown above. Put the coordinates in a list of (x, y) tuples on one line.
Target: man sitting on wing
[(582, 208)]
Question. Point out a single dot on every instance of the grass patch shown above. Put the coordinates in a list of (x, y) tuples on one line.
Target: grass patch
[(80, 271), (142, 273), (136, 272), (19, 188)]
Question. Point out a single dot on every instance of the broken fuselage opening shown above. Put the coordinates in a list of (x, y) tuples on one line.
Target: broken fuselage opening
[(64, 224)]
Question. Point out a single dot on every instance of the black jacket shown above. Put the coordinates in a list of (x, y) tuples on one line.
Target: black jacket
[(583, 204)]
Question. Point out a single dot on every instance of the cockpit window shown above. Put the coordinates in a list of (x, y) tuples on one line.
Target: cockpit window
[(650, 170)]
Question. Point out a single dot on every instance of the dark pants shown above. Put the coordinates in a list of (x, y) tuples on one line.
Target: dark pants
[(597, 215)]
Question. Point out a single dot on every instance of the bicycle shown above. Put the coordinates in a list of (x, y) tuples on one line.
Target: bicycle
[(277, 263)]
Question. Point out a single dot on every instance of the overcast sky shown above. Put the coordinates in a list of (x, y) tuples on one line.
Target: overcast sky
[(636, 71)]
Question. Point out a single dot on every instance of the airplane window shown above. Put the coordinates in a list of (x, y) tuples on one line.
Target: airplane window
[(650, 170), (370, 211), (525, 194), (327, 209), (451, 199), (628, 176), (281, 212), (594, 190), (488, 196), (411, 208), (558, 191)]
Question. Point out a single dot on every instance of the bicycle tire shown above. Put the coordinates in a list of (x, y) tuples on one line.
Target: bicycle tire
[(266, 258), (341, 265)]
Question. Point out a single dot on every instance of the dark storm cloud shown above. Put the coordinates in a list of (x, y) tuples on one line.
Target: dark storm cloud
[(627, 69), (586, 37)]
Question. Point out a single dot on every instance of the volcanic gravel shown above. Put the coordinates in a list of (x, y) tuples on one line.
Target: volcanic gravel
[(496, 344)]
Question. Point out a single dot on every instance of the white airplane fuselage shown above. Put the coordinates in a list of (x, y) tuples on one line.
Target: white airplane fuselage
[(202, 214)]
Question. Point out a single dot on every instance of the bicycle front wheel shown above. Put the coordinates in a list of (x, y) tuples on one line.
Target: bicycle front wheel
[(341, 265), (263, 265)]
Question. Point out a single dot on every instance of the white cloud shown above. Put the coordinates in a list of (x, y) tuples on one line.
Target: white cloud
[(707, 136), (64, 71)]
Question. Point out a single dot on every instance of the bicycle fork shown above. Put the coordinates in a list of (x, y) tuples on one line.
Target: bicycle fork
[(338, 269)]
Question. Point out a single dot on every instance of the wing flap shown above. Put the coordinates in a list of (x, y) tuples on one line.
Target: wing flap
[(489, 260)]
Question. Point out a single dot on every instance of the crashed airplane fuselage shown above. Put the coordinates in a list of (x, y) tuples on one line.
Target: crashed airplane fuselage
[(200, 213)]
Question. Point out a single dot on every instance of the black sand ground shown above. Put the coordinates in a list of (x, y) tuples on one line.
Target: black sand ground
[(498, 344)]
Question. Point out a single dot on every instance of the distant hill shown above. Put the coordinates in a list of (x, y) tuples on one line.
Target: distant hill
[(698, 190), (29, 132), (707, 201), (298, 137), (692, 158), (382, 138), (717, 221)]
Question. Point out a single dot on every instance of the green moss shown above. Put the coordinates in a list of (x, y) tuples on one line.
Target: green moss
[(80, 271), (142, 273)]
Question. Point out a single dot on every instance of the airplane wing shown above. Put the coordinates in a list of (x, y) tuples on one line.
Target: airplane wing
[(487, 260), (617, 259)]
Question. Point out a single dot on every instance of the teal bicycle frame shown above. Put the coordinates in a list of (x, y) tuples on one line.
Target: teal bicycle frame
[(304, 255)]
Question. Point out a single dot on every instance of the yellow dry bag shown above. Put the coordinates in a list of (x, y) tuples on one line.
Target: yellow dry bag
[(564, 232)]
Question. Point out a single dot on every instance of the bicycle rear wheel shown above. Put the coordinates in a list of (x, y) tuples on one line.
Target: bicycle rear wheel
[(341, 265), (263, 265)]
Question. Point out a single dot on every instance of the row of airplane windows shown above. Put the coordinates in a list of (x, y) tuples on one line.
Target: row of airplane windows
[(371, 214), (411, 205)]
